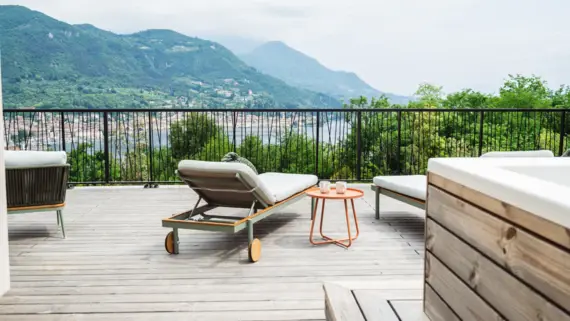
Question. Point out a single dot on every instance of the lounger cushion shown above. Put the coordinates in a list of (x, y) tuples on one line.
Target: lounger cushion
[(410, 185), (282, 186), (28, 159), (223, 172), (530, 153)]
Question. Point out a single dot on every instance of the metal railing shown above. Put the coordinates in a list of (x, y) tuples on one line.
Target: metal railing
[(144, 146)]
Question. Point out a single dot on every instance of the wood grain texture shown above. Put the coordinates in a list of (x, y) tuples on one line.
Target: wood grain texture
[(407, 310), (543, 266), (509, 296), (340, 304), (435, 308), (466, 303), (114, 259), (529, 221)]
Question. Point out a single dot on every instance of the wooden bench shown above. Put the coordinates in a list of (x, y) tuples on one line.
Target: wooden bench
[(343, 304)]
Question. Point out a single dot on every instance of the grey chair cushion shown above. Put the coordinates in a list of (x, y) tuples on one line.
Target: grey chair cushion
[(234, 157), (27, 159), (222, 175), (283, 185)]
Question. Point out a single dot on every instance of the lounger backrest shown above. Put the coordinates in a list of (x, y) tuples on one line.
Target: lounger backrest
[(224, 184)]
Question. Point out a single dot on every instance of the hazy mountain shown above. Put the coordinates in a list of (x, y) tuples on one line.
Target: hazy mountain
[(49, 63), (238, 45), (277, 59)]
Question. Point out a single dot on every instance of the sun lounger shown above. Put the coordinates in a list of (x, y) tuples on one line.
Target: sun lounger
[(222, 184), (412, 189)]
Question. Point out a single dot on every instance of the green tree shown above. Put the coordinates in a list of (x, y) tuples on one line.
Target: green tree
[(190, 134)]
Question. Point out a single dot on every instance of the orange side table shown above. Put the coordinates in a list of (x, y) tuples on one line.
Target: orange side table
[(349, 194)]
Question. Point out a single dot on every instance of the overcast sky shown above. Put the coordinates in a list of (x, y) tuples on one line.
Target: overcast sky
[(392, 44)]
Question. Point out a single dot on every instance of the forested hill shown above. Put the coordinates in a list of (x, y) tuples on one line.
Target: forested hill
[(47, 63)]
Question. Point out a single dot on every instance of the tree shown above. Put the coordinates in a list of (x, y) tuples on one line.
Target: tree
[(524, 92), (429, 96), (190, 134)]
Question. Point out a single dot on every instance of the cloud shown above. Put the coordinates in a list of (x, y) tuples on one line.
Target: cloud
[(393, 45)]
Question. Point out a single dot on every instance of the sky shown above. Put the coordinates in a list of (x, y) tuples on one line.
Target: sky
[(394, 45)]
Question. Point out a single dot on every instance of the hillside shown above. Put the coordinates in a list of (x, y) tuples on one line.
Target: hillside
[(51, 64), (297, 69)]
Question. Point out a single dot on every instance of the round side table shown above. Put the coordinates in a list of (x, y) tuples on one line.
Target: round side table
[(349, 194)]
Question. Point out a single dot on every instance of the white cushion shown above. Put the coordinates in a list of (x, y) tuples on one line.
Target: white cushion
[(25, 159), (531, 153), (410, 185), (282, 186)]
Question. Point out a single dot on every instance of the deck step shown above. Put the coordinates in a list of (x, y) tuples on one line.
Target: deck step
[(344, 304), (340, 304)]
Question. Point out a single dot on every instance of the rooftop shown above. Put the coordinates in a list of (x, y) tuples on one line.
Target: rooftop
[(113, 264)]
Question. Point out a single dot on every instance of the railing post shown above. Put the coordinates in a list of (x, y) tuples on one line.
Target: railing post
[(106, 146), (481, 119), (234, 124), (358, 145), (150, 148), (562, 134), (398, 153), (317, 144), (62, 121)]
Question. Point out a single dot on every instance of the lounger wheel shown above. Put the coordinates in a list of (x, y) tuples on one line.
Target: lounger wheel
[(169, 243), (254, 250)]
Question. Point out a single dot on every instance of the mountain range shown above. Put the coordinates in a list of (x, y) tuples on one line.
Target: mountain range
[(47, 63), (277, 59)]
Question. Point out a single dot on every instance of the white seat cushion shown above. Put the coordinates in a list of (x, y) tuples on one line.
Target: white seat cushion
[(283, 185), (26, 158), (410, 185)]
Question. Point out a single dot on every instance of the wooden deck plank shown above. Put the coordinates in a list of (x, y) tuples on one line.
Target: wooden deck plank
[(375, 306), (408, 310), (113, 265)]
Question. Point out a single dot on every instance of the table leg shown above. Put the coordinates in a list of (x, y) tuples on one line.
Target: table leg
[(355, 219), (313, 220), (329, 239), (322, 218)]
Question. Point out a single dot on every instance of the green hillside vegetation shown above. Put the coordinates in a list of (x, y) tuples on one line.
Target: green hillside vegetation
[(47, 63), (297, 69)]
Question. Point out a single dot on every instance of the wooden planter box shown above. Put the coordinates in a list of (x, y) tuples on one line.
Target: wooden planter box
[(488, 260)]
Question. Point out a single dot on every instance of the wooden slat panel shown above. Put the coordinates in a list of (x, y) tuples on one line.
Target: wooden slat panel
[(436, 309), (466, 303), (510, 297), (340, 304), (551, 231), (540, 264)]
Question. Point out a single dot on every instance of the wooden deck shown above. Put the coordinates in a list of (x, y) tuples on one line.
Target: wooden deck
[(113, 265)]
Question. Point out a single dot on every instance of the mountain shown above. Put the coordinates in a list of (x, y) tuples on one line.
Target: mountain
[(51, 64), (238, 45), (277, 59)]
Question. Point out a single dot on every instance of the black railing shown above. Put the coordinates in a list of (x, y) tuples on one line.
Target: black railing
[(144, 146)]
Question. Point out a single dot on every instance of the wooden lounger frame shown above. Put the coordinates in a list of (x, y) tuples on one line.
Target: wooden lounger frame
[(416, 202), (220, 223)]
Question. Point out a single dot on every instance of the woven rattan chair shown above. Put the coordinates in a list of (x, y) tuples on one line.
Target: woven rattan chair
[(36, 182)]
